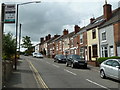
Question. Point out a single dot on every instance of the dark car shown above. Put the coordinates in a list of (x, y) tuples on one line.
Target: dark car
[(26, 54), (76, 61), (60, 58)]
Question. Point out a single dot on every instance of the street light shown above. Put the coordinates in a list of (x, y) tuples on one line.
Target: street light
[(17, 28)]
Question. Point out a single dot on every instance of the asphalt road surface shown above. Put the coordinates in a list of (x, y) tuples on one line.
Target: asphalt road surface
[(49, 74)]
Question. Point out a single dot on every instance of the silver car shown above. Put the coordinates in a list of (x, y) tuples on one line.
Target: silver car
[(110, 68)]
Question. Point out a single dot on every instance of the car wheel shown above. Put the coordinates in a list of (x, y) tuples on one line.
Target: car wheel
[(85, 66), (67, 64), (57, 61), (102, 74), (72, 65)]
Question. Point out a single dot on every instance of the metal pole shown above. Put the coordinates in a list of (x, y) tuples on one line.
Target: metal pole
[(1, 36), (19, 37), (16, 37)]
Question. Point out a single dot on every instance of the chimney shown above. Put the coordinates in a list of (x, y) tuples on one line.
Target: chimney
[(55, 36), (49, 36), (91, 20), (65, 32), (107, 12), (46, 38), (76, 28), (42, 40)]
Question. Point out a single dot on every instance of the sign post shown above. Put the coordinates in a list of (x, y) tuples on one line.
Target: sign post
[(9, 13)]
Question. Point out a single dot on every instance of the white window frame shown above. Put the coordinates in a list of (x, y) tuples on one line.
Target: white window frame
[(81, 38), (104, 40)]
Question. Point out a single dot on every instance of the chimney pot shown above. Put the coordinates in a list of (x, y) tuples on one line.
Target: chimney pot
[(107, 12), (91, 20), (65, 32), (76, 28), (42, 40)]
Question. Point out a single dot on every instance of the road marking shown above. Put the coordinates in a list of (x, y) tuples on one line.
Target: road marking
[(97, 84), (35, 77), (55, 65), (38, 77), (70, 72), (47, 62)]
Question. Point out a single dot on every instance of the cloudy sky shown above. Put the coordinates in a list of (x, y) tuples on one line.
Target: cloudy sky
[(53, 16)]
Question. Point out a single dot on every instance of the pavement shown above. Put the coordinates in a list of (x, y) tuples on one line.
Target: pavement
[(23, 77)]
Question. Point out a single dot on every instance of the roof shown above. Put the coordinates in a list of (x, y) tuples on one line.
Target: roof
[(52, 39), (97, 22), (68, 35), (115, 18)]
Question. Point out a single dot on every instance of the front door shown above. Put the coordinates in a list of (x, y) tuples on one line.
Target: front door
[(118, 51)]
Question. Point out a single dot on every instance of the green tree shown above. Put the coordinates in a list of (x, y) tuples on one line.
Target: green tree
[(9, 46), (27, 44)]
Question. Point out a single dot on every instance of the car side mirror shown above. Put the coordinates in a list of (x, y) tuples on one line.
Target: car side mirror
[(118, 67)]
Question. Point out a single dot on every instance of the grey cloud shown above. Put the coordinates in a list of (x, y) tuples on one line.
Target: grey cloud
[(38, 20)]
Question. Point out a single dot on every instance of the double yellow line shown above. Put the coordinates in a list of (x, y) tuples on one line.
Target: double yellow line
[(38, 77)]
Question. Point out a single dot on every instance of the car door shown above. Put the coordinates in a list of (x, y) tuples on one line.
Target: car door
[(115, 72), (69, 60), (108, 67)]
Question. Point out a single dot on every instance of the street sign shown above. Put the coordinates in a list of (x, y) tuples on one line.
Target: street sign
[(9, 13)]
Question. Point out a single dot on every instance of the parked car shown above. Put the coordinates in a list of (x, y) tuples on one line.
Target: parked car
[(60, 58), (39, 55), (76, 61), (110, 68), (26, 54), (34, 54)]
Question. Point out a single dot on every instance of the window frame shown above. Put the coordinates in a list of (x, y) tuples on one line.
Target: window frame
[(94, 34)]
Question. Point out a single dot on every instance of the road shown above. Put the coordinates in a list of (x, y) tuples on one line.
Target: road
[(49, 74)]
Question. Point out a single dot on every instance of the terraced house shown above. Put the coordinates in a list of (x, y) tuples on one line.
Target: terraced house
[(109, 33), (100, 38)]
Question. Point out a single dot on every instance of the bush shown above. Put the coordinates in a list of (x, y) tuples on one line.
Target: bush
[(100, 60)]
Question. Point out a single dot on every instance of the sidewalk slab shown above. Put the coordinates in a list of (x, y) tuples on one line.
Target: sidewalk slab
[(22, 77)]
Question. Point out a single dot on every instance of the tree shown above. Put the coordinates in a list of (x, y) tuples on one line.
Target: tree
[(27, 44), (9, 46)]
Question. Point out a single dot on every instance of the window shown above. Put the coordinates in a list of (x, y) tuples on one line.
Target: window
[(82, 52), (94, 49), (81, 39), (103, 36), (115, 63), (94, 34), (104, 51), (109, 62)]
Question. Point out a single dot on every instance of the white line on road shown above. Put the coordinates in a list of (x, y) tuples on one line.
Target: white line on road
[(97, 84), (70, 72), (47, 62), (55, 65)]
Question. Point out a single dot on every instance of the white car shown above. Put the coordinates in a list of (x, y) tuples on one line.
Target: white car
[(34, 54), (39, 55), (110, 68)]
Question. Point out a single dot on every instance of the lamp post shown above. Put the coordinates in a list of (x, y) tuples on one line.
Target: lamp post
[(17, 27), (19, 36)]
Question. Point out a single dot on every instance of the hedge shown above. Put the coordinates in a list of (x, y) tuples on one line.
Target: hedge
[(100, 60)]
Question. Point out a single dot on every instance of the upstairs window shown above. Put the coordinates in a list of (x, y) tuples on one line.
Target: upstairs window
[(94, 34), (81, 39), (103, 36)]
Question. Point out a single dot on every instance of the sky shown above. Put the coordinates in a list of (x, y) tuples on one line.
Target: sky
[(53, 16)]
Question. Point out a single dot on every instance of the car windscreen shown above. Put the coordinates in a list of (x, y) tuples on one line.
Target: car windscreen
[(77, 57), (61, 56), (39, 54)]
